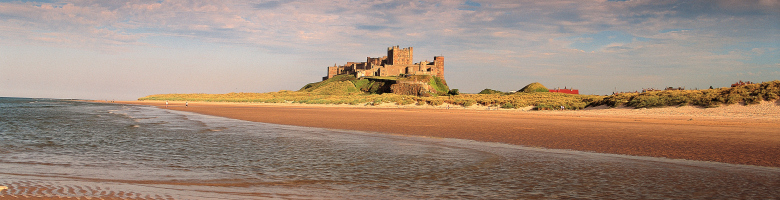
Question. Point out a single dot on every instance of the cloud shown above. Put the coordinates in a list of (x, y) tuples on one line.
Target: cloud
[(268, 5), (512, 38), (234, 22), (372, 27), (604, 39), (469, 5)]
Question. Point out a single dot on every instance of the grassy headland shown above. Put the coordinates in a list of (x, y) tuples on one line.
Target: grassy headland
[(346, 90)]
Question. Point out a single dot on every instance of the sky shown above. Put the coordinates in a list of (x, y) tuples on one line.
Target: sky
[(124, 50)]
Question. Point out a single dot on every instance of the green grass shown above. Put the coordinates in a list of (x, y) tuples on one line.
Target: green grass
[(490, 91), (340, 78), (337, 88), (438, 84), (362, 83), (534, 87)]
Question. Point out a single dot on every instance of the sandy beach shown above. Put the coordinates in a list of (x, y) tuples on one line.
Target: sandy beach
[(731, 134)]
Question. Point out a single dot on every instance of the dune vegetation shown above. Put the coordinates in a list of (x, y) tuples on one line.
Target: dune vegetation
[(744, 94), (350, 91), (490, 91), (519, 100)]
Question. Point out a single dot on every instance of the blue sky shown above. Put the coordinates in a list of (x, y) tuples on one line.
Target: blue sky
[(124, 50)]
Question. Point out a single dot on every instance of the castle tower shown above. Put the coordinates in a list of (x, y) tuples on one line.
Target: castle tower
[(397, 56), (332, 71), (438, 65)]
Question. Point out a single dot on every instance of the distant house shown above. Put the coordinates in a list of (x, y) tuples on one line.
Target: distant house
[(740, 83), (566, 91)]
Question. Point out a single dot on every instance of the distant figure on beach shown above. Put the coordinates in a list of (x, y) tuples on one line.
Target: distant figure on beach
[(166, 104), (563, 108), (186, 104)]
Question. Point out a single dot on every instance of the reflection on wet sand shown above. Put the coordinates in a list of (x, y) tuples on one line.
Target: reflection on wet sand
[(136, 152), (490, 170)]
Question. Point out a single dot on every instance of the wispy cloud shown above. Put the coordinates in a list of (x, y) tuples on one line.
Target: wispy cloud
[(539, 40)]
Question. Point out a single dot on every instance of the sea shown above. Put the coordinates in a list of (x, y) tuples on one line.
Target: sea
[(52, 148)]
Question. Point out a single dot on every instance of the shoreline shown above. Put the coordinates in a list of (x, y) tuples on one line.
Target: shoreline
[(731, 134)]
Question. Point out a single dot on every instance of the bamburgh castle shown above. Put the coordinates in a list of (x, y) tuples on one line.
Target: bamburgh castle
[(398, 61)]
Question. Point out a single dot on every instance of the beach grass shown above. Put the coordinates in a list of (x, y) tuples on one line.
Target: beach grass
[(345, 92), (744, 94), (519, 100)]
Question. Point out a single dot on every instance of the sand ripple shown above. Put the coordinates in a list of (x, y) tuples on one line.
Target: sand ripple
[(52, 190)]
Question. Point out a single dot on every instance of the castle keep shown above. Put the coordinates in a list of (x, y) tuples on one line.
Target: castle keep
[(398, 61)]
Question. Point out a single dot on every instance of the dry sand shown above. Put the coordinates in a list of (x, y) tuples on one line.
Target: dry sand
[(731, 134)]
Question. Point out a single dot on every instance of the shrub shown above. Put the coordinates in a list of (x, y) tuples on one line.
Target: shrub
[(376, 88), (435, 102), (454, 92), (490, 91), (508, 106), (467, 103), (544, 107)]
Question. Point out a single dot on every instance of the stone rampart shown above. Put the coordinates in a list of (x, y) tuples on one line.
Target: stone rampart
[(412, 88)]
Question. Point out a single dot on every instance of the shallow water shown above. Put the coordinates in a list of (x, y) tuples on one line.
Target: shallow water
[(56, 148)]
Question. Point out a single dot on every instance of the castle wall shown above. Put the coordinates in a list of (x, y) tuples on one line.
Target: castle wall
[(398, 61), (376, 61), (391, 70)]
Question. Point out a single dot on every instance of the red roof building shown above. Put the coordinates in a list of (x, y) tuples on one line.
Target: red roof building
[(566, 91)]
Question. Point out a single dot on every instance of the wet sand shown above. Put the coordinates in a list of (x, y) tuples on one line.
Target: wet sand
[(730, 134)]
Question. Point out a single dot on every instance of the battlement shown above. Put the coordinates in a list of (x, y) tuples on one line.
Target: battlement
[(398, 61), (398, 56), (398, 48)]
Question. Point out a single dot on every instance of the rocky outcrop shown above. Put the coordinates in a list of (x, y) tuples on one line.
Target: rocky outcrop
[(412, 88), (416, 85)]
